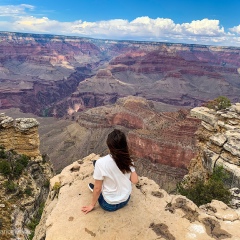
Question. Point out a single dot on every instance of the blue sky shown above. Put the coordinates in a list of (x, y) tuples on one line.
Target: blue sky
[(215, 22)]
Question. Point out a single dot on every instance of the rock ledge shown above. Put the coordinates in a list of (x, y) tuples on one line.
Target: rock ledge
[(150, 214)]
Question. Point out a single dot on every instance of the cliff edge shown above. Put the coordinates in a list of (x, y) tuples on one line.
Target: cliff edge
[(150, 214), (24, 177), (218, 143)]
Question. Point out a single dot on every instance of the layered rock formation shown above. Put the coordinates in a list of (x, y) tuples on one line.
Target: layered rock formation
[(38, 71), (171, 73), (162, 142), (218, 142), (150, 214), (20, 134), (51, 75)]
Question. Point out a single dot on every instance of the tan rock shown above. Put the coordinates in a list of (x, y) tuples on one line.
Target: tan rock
[(218, 139), (210, 159), (209, 127), (229, 167), (204, 114), (233, 146), (150, 214), (20, 134), (225, 125), (236, 108), (220, 210), (213, 147), (221, 146), (228, 157)]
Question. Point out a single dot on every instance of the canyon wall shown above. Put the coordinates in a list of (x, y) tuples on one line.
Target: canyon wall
[(53, 75), (218, 143)]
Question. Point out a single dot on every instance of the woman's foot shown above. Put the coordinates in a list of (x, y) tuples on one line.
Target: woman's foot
[(94, 162), (91, 186)]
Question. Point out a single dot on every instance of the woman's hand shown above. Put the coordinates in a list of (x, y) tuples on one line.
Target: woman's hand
[(96, 193), (87, 209)]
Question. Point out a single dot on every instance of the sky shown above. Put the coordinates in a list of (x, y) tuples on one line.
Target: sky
[(211, 22)]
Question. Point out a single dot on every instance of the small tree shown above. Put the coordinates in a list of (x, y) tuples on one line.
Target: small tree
[(218, 103), (204, 192), (12, 164)]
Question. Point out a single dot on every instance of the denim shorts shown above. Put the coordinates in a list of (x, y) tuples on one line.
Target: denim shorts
[(111, 207)]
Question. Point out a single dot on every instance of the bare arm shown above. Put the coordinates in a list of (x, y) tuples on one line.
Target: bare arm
[(96, 193), (134, 177)]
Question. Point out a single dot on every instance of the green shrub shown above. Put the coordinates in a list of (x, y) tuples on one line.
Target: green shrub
[(56, 188), (5, 168), (28, 191), (35, 221), (10, 186), (46, 183), (204, 192), (3, 154), (218, 103), (23, 159), (17, 169)]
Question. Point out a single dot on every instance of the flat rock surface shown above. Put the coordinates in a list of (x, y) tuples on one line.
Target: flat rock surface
[(150, 214)]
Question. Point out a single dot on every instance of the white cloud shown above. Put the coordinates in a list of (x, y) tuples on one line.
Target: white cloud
[(205, 31), (14, 10), (203, 27), (235, 29)]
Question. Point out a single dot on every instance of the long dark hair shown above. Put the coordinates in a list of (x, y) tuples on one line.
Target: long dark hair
[(117, 144)]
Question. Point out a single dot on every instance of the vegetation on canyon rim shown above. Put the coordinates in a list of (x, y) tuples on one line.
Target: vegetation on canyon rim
[(204, 192), (12, 167), (218, 103)]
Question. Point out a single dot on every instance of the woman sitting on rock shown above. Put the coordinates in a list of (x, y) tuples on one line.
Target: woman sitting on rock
[(114, 175)]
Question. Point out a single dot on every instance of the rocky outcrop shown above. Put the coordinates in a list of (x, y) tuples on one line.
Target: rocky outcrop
[(20, 134), (164, 216), (218, 142), (22, 193)]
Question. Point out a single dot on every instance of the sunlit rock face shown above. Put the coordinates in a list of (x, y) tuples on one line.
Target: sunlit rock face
[(49, 75), (20, 135), (218, 143)]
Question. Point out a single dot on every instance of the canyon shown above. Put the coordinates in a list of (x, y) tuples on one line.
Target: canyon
[(80, 89), (52, 75), (161, 143)]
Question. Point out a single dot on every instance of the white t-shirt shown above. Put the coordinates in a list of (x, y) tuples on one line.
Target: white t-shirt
[(116, 186)]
